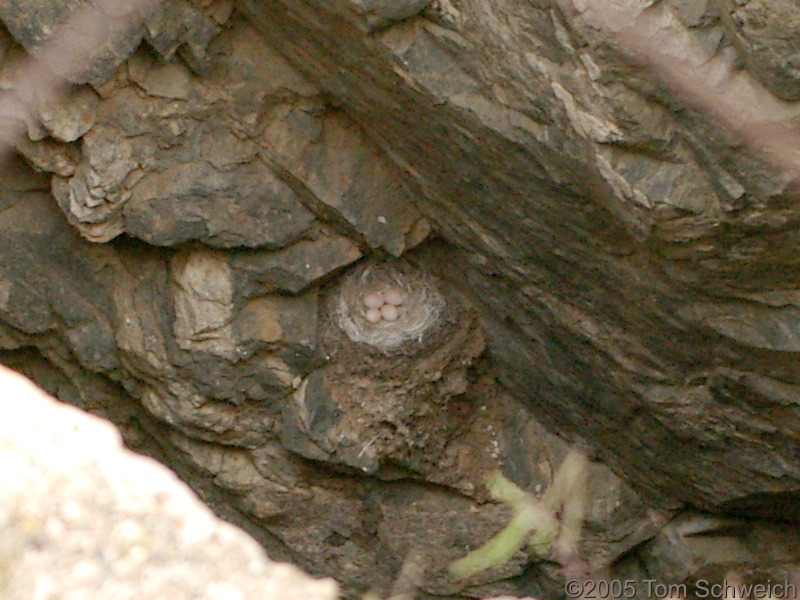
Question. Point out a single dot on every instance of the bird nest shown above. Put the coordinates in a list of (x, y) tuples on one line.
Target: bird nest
[(413, 306)]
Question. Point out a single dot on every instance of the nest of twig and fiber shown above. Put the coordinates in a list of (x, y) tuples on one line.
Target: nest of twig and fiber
[(387, 307)]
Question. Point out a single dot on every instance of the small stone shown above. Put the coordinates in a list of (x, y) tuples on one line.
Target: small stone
[(373, 300), (389, 312), (68, 120), (373, 315)]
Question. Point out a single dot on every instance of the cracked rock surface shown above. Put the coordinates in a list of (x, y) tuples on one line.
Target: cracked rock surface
[(605, 194)]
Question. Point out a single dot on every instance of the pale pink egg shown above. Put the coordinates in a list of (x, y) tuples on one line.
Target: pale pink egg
[(373, 315), (389, 312), (393, 296), (373, 300)]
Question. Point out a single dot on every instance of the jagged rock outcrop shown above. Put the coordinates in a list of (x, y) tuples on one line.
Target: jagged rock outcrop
[(83, 517), (604, 194)]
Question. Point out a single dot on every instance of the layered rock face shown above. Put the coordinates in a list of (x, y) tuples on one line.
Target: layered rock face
[(596, 201)]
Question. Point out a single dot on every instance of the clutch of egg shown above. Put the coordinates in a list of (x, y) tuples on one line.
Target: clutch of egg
[(382, 305)]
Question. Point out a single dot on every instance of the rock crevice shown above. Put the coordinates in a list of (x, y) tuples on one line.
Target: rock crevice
[(602, 194)]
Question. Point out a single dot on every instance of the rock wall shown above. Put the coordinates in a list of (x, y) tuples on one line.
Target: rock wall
[(602, 194), (633, 248)]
